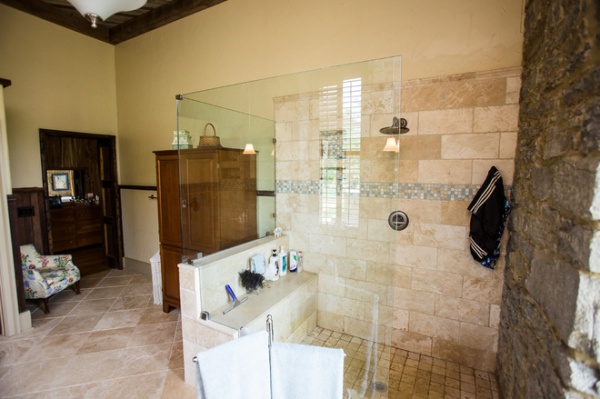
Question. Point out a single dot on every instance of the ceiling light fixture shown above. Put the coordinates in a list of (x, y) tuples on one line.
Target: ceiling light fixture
[(101, 10)]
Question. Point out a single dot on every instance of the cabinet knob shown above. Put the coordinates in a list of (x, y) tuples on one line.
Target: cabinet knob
[(184, 203)]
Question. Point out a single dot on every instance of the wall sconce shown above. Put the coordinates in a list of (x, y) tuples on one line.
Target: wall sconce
[(101, 10), (399, 126), (249, 149)]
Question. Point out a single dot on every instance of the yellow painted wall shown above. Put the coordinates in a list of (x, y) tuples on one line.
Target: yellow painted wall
[(60, 80), (66, 81), (242, 40)]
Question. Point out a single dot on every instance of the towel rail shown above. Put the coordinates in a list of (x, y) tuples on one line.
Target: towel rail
[(270, 331)]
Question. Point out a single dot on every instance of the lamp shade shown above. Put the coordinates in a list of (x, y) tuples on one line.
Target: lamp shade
[(392, 145), (105, 8), (249, 149)]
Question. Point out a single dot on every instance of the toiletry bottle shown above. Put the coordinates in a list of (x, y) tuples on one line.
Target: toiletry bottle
[(283, 266), (300, 262), (293, 261), (274, 265)]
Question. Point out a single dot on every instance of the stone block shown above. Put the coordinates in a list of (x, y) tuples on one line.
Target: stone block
[(471, 146), (508, 145), (445, 171), (418, 301), (437, 282), (433, 326), (455, 213), (484, 290), (420, 147), (478, 337), (496, 119), (554, 285), (482, 167), (412, 341), (441, 236), (416, 256), (367, 250), (463, 310), (446, 121)]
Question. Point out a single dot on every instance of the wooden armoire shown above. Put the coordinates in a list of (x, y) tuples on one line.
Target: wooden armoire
[(213, 208)]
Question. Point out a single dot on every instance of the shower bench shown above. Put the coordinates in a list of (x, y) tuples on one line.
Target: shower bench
[(291, 301)]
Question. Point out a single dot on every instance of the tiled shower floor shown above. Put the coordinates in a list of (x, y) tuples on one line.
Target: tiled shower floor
[(407, 375), (102, 343)]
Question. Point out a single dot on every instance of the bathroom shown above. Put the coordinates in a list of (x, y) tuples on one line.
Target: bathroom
[(456, 44)]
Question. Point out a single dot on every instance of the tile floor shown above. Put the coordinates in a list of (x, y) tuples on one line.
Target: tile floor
[(110, 341), (113, 342), (407, 375)]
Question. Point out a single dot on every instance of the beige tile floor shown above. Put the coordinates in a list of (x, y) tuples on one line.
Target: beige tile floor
[(109, 342), (406, 375), (113, 342)]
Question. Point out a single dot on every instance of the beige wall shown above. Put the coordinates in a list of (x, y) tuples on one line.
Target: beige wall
[(242, 40), (60, 80)]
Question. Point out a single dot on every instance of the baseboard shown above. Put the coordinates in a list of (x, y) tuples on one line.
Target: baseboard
[(25, 319), (137, 266)]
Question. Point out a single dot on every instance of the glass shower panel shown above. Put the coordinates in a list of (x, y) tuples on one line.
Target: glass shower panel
[(227, 193), (334, 188)]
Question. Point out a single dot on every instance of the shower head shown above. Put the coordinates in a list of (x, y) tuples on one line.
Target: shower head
[(398, 127)]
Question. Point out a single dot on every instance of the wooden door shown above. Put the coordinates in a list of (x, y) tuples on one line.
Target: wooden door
[(200, 198), (167, 180), (111, 201)]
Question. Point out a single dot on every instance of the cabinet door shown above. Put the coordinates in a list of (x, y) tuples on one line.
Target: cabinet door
[(170, 257), (200, 199), (167, 179)]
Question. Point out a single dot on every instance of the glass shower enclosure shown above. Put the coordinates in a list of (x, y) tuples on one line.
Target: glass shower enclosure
[(304, 152)]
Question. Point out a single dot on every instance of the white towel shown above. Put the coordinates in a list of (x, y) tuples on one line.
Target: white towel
[(306, 371), (236, 369)]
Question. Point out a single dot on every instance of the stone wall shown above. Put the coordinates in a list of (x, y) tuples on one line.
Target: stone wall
[(548, 339)]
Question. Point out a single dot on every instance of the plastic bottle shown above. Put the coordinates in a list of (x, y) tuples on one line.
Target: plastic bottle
[(273, 268), (283, 262), (300, 262), (293, 261)]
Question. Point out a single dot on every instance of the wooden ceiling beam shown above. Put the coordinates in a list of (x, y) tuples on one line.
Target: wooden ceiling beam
[(68, 18), (170, 12)]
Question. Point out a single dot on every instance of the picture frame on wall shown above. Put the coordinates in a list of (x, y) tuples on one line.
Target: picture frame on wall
[(60, 182)]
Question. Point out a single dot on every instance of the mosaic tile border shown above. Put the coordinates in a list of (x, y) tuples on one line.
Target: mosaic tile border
[(412, 191)]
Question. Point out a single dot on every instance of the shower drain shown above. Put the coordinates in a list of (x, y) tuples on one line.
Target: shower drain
[(379, 386)]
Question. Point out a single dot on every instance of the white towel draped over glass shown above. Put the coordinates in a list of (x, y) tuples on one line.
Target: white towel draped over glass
[(240, 369)]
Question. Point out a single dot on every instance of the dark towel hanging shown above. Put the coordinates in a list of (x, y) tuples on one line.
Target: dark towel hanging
[(489, 212)]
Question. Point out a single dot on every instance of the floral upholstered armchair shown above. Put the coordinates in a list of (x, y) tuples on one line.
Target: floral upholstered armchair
[(46, 275)]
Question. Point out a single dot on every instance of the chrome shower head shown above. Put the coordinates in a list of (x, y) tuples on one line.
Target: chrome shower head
[(398, 127)]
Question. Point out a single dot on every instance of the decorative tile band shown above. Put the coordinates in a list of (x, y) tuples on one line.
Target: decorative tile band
[(413, 191)]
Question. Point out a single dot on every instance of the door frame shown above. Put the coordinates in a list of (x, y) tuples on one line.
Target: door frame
[(109, 222)]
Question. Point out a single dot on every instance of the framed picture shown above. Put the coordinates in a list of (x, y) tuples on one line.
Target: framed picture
[(60, 182)]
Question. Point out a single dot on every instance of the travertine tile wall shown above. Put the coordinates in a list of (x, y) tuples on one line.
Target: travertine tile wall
[(419, 287)]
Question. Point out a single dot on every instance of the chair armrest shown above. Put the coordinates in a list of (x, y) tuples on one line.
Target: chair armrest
[(35, 285)]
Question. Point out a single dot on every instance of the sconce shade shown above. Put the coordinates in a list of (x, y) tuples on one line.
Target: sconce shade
[(249, 149), (103, 9), (392, 145)]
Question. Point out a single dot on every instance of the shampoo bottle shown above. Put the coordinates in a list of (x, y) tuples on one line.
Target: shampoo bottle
[(283, 262), (273, 269), (293, 261)]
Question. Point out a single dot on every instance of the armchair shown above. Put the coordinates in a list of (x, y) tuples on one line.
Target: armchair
[(46, 275)]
